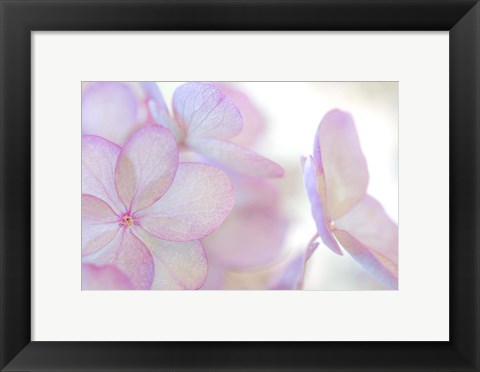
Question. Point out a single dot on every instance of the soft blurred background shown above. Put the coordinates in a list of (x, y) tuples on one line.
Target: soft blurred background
[(289, 115)]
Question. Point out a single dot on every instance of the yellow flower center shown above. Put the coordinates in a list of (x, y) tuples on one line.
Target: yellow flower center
[(127, 221)]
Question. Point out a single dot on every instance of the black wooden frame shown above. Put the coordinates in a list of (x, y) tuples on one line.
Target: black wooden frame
[(18, 18)]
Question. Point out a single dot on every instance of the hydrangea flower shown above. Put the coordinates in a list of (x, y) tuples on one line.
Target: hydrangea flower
[(336, 179), (143, 212), (115, 110), (204, 120)]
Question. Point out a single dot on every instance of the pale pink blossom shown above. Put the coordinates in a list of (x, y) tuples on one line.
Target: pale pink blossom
[(205, 121), (336, 179), (144, 213), (115, 110)]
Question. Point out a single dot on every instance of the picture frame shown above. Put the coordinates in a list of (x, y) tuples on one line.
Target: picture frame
[(20, 17)]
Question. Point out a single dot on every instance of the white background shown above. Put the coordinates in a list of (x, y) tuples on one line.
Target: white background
[(418, 311)]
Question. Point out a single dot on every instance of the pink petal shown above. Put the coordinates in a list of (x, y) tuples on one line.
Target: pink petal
[(109, 110), (199, 200), (369, 223), (128, 254), (104, 278), (146, 167), (99, 224), (178, 265), (99, 157), (384, 270), (236, 158), (203, 111), (312, 180), (253, 233), (253, 121), (337, 152)]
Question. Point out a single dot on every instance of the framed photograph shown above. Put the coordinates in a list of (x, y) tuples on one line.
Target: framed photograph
[(239, 185)]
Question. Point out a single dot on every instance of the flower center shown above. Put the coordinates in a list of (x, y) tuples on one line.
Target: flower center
[(331, 225), (127, 221)]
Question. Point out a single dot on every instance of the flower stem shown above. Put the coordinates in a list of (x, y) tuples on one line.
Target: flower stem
[(308, 253), (310, 243)]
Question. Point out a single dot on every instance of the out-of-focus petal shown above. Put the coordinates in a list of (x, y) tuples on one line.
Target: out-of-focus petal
[(178, 265), (202, 110), (128, 254), (236, 158), (99, 157), (249, 237), (162, 117), (109, 110), (284, 274), (337, 152), (146, 167), (198, 201), (252, 235), (104, 278), (383, 269), (303, 160), (99, 224), (159, 111), (255, 191), (312, 178), (151, 92), (369, 223), (253, 121), (215, 276), (290, 275)]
